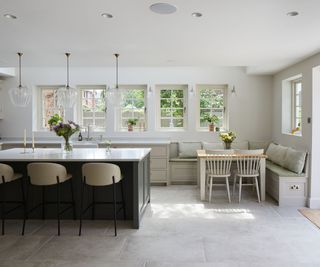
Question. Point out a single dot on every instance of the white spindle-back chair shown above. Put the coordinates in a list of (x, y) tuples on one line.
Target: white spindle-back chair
[(218, 166), (248, 166)]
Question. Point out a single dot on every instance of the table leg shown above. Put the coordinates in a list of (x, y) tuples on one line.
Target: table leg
[(263, 179), (202, 178)]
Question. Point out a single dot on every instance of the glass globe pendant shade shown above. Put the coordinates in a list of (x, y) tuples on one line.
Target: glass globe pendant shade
[(67, 96), (20, 96)]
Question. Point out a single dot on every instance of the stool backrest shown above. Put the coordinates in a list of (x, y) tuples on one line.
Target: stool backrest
[(100, 174), (219, 165), (45, 173), (6, 172), (248, 164)]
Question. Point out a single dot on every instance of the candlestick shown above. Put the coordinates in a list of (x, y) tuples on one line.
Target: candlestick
[(25, 139)]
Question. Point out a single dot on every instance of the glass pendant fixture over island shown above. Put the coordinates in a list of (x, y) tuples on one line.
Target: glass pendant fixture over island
[(20, 96), (67, 95), (114, 92)]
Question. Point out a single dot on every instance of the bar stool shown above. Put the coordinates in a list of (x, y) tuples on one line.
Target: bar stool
[(7, 175), (48, 174), (102, 174)]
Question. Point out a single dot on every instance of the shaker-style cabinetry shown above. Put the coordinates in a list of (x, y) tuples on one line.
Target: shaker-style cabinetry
[(159, 160)]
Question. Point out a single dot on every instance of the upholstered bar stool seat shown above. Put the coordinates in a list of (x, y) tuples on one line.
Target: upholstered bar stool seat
[(8, 175), (97, 175), (48, 174)]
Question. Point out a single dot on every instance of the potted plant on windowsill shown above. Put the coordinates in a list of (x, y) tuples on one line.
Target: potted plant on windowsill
[(131, 123), (212, 121)]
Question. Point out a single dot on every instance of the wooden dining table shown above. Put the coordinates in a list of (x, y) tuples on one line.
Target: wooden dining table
[(202, 156)]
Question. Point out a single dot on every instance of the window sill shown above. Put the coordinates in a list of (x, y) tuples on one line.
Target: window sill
[(290, 134)]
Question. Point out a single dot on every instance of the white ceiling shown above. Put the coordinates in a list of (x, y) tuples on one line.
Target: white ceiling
[(253, 33)]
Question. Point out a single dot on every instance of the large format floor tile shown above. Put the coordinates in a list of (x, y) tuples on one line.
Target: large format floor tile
[(178, 230)]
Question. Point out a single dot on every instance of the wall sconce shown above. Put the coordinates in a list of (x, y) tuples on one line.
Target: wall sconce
[(150, 91), (191, 91), (233, 90)]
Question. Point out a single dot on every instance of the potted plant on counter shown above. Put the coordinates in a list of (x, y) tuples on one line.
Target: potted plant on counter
[(212, 121), (228, 138), (131, 122)]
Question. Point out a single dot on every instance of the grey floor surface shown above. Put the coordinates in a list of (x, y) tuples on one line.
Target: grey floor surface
[(178, 230)]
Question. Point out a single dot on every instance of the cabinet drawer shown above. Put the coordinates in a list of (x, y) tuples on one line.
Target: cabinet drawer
[(157, 151), (159, 176), (158, 163)]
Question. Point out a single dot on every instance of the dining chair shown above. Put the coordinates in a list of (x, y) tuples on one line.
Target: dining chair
[(45, 174), (7, 175), (97, 175), (218, 166), (248, 166)]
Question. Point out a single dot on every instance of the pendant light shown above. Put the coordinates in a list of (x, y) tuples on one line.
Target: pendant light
[(20, 96), (114, 92), (67, 95)]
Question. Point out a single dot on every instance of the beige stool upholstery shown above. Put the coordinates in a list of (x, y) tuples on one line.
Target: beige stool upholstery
[(97, 175), (8, 175), (47, 174)]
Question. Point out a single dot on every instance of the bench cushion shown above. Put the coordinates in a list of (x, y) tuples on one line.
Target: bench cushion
[(258, 145), (282, 172), (277, 153), (240, 145), (183, 160), (294, 160), (212, 146), (189, 149)]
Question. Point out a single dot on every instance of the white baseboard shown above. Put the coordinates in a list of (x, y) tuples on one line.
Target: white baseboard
[(314, 203)]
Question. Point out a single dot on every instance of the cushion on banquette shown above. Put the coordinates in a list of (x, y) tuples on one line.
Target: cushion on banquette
[(258, 145), (212, 145), (240, 145), (286, 157), (189, 149)]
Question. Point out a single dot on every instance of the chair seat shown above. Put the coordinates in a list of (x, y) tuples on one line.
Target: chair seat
[(218, 176)]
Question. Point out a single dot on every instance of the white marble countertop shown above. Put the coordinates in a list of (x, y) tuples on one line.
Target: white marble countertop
[(115, 142), (82, 154)]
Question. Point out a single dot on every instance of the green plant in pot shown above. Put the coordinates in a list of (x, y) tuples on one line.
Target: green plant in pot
[(212, 121), (131, 122)]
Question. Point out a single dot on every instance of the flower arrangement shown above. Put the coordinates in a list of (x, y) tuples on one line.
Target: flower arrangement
[(228, 138), (66, 130)]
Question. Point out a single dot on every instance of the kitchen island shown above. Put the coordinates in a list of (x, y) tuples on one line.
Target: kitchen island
[(133, 162)]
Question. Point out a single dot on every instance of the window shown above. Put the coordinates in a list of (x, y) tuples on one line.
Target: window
[(48, 105), (172, 106), (212, 101), (292, 105), (296, 105), (133, 106), (93, 107)]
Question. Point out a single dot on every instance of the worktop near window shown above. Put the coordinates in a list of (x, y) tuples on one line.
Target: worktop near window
[(159, 156)]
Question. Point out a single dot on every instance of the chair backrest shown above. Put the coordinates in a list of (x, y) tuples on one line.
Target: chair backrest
[(46, 173), (219, 165), (220, 151), (249, 152), (100, 174), (6, 172), (248, 164)]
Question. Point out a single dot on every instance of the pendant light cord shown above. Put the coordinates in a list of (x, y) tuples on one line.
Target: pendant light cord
[(117, 70), (20, 55), (68, 54)]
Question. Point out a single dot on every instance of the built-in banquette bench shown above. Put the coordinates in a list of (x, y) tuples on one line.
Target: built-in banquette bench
[(286, 168), (287, 175)]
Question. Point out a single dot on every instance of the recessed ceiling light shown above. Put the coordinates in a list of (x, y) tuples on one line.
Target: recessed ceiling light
[(163, 8), (10, 16), (196, 14), (292, 13), (107, 15)]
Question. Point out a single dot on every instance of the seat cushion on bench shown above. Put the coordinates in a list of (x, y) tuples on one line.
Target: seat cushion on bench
[(212, 146), (189, 149), (277, 153), (282, 172), (294, 160), (183, 160)]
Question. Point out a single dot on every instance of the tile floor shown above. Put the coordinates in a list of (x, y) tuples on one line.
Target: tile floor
[(178, 231)]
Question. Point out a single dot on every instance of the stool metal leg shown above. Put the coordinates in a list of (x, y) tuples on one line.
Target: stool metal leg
[(93, 205), (43, 203), (123, 201), (26, 207), (81, 203), (114, 207), (58, 204), (23, 199), (3, 207), (72, 199)]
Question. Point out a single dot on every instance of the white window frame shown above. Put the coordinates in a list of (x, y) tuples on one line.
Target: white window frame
[(118, 119), (91, 87), (40, 105), (294, 103), (183, 87), (224, 87)]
